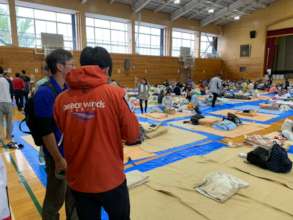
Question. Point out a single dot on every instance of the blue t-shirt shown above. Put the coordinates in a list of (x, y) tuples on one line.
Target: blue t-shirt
[(44, 100)]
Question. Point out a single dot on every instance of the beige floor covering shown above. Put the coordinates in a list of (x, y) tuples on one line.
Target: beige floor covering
[(240, 130), (257, 116), (179, 179), (162, 116), (173, 138), (135, 153)]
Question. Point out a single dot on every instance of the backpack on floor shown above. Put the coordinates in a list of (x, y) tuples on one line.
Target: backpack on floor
[(275, 160), (30, 118), (232, 117), (195, 119)]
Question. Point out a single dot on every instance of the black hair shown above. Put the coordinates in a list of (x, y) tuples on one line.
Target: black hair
[(23, 72), (98, 56), (17, 74), (58, 56), (1, 70)]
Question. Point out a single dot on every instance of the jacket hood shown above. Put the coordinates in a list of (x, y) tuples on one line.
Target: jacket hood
[(86, 77)]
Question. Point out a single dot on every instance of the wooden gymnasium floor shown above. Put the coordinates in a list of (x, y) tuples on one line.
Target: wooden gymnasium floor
[(26, 190)]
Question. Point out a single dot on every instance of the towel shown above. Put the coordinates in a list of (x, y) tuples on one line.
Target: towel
[(135, 179), (220, 186)]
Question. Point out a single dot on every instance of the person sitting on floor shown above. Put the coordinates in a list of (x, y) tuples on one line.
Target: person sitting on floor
[(177, 89), (168, 101), (195, 102), (202, 88), (273, 89)]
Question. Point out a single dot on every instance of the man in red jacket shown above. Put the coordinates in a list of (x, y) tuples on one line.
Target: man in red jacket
[(95, 120), (18, 87)]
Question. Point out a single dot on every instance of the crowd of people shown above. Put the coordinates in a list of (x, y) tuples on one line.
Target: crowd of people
[(84, 165)]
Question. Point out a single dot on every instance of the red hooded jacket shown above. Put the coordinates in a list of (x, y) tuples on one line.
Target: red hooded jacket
[(94, 118)]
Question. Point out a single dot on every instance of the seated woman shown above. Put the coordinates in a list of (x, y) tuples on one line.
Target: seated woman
[(168, 102)]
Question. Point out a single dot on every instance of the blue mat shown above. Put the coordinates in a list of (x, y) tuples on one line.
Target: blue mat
[(258, 109)]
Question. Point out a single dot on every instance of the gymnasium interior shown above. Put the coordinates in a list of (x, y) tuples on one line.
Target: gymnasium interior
[(202, 154)]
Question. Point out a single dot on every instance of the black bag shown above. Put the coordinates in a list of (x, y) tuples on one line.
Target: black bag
[(259, 157), (275, 159), (30, 117), (232, 117), (195, 119)]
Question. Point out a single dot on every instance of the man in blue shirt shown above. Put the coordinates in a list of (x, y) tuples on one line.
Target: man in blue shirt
[(59, 63)]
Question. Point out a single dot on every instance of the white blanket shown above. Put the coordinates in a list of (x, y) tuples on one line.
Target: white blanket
[(135, 179), (220, 186)]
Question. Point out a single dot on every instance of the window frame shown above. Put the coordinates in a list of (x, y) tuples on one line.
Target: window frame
[(8, 31), (186, 31), (203, 54), (39, 7), (126, 44), (161, 34)]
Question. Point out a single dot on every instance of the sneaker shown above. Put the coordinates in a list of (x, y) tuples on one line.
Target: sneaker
[(42, 161)]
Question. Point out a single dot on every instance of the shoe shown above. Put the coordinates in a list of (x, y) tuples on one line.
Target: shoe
[(42, 161)]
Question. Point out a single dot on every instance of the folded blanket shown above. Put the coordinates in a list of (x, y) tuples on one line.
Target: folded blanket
[(220, 186), (225, 125), (135, 179)]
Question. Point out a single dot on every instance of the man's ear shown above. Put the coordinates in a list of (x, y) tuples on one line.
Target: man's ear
[(59, 67), (106, 70)]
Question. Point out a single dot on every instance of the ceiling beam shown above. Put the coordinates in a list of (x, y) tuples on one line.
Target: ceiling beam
[(185, 9), (224, 11), (214, 4), (228, 17), (139, 5), (163, 5)]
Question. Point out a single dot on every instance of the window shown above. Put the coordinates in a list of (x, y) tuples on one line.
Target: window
[(5, 31), (149, 39), (208, 45), (110, 33), (183, 38), (31, 22)]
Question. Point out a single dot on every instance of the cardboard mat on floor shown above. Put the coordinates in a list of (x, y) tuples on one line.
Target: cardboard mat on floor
[(163, 116), (255, 116), (173, 138), (262, 199), (149, 204), (244, 129), (135, 153)]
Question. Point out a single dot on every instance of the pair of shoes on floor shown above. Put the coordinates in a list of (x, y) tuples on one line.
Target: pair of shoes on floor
[(12, 145)]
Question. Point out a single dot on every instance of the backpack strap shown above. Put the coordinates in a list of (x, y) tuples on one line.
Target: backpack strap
[(52, 87)]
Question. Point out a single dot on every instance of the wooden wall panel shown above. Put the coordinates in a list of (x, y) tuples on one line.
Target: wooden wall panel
[(278, 15), (155, 69)]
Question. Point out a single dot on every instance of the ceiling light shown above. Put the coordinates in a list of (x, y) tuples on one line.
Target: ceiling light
[(237, 17), (177, 1), (211, 11)]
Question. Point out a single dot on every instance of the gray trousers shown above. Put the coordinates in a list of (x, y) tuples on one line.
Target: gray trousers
[(6, 112), (57, 193)]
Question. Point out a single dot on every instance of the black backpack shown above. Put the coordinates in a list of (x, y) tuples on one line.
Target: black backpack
[(30, 117), (232, 117), (195, 119), (275, 160)]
